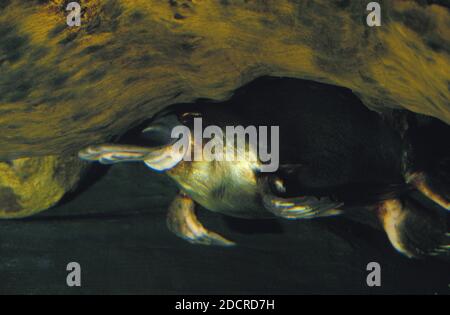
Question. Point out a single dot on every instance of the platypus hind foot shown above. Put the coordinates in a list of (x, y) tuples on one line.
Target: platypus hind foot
[(430, 188), (183, 222), (413, 230)]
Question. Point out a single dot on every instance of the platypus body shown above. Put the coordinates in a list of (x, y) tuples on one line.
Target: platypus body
[(334, 155)]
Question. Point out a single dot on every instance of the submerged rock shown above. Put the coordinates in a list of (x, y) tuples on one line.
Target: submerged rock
[(63, 88), (30, 185)]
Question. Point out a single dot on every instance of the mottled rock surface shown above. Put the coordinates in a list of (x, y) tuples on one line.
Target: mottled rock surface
[(30, 185), (62, 88)]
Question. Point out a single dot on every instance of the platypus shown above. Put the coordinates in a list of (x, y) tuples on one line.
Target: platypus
[(334, 155)]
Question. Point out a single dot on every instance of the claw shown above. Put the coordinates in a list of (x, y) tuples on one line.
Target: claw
[(440, 250), (183, 222)]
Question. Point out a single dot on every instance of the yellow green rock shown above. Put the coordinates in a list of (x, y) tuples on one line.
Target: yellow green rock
[(30, 185), (63, 88)]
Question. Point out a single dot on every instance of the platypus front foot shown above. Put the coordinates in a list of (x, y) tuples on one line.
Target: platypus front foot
[(183, 222)]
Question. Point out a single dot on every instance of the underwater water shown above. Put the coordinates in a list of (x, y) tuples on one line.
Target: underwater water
[(357, 93), (114, 226), (116, 230)]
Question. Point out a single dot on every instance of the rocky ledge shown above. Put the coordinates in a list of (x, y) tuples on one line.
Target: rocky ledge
[(62, 88)]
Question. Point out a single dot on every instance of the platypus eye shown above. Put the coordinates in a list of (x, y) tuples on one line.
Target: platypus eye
[(159, 131), (188, 117)]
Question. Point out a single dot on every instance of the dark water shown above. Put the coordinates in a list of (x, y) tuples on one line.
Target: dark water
[(116, 231), (115, 228)]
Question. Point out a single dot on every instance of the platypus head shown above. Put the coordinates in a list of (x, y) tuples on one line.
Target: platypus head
[(157, 145)]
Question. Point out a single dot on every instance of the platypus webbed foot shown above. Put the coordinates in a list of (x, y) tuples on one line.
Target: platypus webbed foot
[(430, 188), (306, 207), (301, 207), (183, 222), (412, 229)]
